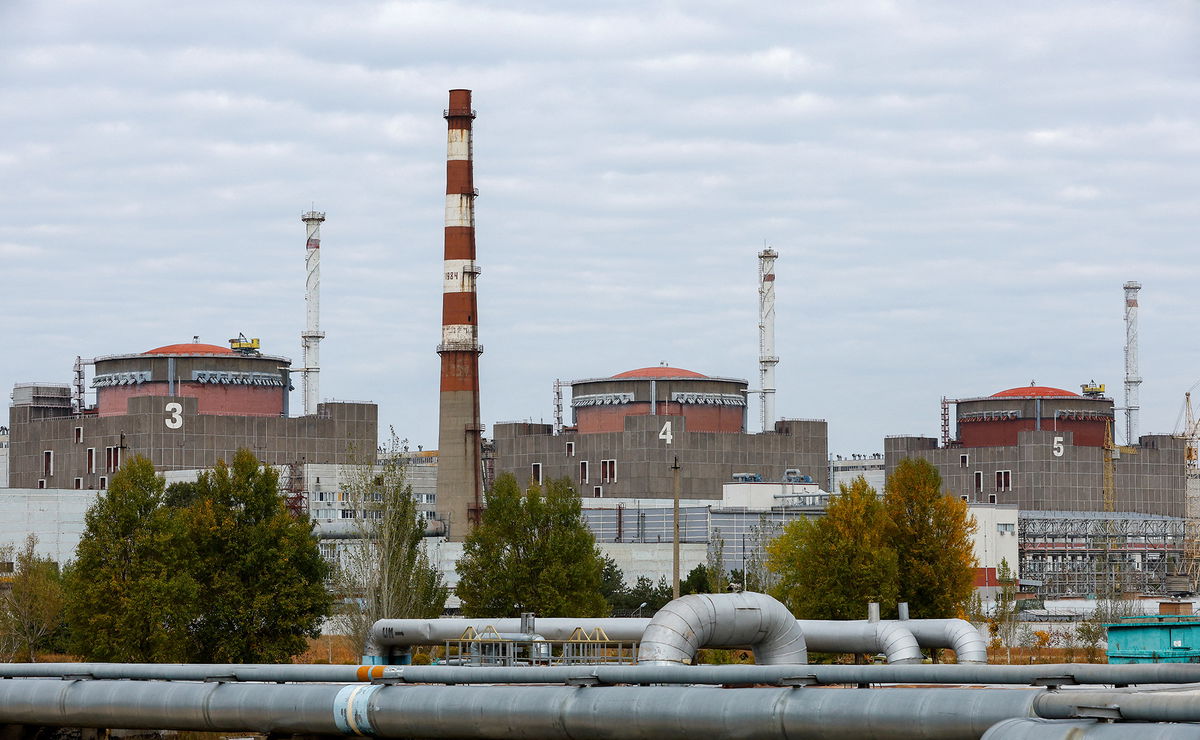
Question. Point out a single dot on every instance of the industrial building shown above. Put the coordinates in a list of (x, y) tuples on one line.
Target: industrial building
[(630, 429), (1043, 448)]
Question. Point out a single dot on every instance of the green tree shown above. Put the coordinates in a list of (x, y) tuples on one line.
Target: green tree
[(222, 573), (833, 566), (931, 532), (31, 608), (130, 592), (385, 572), (532, 552), (260, 571), (696, 581)]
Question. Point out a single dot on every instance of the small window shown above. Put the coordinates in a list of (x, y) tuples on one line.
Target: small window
[(78, 484), (48, 463), (1004, 527), (78, 435), (583, 471), (964, 460), (1003, 480), (991, 498), (347, 513), (965, 497), (536, 473), (978, 481), (91, 460), (608, 471), (598, 492), (570, 449), (103, 483), (41, 482)]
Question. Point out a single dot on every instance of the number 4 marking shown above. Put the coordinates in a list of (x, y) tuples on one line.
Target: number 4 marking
[(665, 433)]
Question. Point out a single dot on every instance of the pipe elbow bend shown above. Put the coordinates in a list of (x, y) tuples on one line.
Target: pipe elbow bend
[(696, 621)]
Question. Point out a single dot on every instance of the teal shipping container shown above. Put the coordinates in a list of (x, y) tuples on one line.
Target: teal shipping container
[(1155, 639)]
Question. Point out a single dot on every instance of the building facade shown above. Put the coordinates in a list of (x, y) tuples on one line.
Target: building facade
[(182, 406), (1043, 449), (630, 430)]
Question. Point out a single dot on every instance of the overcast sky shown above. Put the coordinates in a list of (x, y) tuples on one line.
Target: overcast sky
[(957, 192)]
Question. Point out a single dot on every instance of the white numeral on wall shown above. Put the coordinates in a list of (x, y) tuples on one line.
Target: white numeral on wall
[(174, 418), (665, 433)]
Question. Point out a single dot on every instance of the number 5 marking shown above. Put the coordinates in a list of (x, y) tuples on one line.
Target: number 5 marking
[(175, 418), (665, 433), (1058, 447)]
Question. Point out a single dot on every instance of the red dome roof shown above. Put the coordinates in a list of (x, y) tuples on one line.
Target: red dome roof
[(659, 372), (1028, 391), (189, 349)]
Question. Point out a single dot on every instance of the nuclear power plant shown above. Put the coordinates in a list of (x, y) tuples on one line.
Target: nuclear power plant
[(1045, 468)]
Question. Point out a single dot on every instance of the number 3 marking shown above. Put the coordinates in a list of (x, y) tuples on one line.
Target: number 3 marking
[(666, 434), (175, 418)]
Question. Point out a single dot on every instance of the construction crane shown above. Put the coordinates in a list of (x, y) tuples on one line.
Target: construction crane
[(1111, 453), (1191, 537)]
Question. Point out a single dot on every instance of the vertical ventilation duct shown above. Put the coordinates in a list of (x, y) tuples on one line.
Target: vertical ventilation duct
[(1132, 380), (767, 359), (312, 334)]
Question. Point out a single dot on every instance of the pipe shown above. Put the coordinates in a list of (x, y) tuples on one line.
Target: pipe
[(696, 621), (957, 634), (893, 639), (575, 712), (1142, 706), (1034, 728), (1179, 674), (409, 632)]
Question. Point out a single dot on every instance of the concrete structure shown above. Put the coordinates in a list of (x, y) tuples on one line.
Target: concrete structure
[(844, 470), (995, 541), (312, 335), (629, 429), (767, 359), (3, 457), (1133, 381), (1042, 449), (184, 407), (460, 479)]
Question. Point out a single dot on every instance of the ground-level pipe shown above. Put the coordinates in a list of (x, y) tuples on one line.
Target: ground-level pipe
[(1051, 674), (504, 713), (957, 634), (1087, 729), (686, 624), (893, 639)]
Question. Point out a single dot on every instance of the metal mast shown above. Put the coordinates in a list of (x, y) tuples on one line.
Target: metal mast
[(1132, 380), (460, 456), (312, 335), (767, 360)]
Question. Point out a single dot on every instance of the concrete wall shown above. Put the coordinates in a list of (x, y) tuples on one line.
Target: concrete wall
[(643, 459), (1048, 471), (340, 433)]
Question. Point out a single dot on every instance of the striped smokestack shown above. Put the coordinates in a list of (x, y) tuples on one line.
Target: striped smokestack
[(459, 481)]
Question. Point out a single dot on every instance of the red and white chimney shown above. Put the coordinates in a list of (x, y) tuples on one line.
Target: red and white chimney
[(460, 473)]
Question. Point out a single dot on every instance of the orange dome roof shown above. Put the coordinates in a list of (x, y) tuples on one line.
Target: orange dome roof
[(189, 349), (1029, 391), (659, 372)]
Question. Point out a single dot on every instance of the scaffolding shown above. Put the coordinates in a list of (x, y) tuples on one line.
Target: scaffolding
[(1081, 553)]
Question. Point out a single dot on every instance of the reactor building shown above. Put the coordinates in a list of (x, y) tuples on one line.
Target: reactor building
[(183, 406), (1043, 449), (629, 431)]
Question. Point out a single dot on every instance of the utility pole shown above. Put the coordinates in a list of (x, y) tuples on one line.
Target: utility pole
[(675, 553)]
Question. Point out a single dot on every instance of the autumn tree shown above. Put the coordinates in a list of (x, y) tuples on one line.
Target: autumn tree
[(385, 573), (931, 532), (833, 566), (31, 607), (532, 552)]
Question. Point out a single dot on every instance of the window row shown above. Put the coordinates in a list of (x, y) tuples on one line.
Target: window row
[(1003, 480), (608, 473), (112, 461)]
